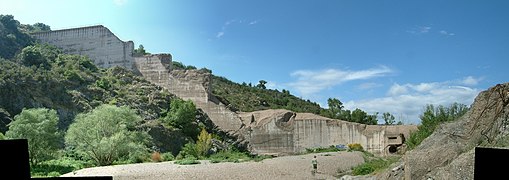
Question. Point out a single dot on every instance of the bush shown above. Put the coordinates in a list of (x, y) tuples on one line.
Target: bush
[(323, 149), (355, 147), (61, 166), (187, 161), (229, 156), (373, 164), (189, 150), (167, 156), (363, 169), (156, 157), (117, 141)]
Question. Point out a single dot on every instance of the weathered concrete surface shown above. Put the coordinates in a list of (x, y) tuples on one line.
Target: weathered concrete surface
[(155, 68), (283, 131), (189, 85), (96, 42)]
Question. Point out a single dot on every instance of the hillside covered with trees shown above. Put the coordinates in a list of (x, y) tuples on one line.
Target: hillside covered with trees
[(76, 115)]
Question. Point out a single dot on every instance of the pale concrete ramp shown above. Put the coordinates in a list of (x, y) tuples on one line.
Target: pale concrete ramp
[(189, 85)]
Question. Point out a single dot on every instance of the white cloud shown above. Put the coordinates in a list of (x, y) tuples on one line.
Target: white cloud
[(273, 85), (310, 82), (397, 89), (226, 25), (424, 29), (119, 2), (419, 30), (471, 81), (220, 34), (408, 100), (443, 32), (369, 85)]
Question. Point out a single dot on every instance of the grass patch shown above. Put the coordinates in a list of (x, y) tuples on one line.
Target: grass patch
[(229, 156), (187, 161), (324, 149), (57, 167), (373, 164)]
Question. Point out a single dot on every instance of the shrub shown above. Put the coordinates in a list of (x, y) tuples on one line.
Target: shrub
[(355, 147), (189, 150), (167, 156), (156, 157), (117, 141), (229, 156), (187, 161), (372, 164), (323, 149), (204, 143), (61, 166), (363, 169), (54, 174)]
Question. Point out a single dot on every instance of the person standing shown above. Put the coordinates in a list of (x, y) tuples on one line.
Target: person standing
[(315, 164)]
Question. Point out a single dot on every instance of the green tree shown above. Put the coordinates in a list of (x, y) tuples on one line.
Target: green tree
[(106, 134), (362, 117), (388, 118), (335, 107), (38, 55), (140, 51), (5, 117), (204, 142), (261, 84), (37, 27), (39, 127), (182, 115), (11, 38)]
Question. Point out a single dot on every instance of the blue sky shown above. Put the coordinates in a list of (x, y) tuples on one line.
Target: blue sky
[(381, 56)]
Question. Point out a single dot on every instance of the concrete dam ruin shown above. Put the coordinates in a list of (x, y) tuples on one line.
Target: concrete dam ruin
[(263, 132)]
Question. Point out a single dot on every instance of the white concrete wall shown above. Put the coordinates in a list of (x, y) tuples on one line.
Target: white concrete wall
[(96, 42), (300, 134)]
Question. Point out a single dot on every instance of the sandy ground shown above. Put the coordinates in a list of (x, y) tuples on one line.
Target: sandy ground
[(287, 167)]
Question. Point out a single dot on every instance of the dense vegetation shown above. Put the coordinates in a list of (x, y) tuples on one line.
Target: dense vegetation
[(14, 36)]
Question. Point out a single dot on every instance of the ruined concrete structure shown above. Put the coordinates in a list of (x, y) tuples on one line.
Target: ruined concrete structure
[(96, 42), (265, 132), (283, 131)]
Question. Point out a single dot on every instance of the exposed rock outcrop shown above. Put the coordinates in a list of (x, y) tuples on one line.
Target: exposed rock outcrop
[(449, 152)]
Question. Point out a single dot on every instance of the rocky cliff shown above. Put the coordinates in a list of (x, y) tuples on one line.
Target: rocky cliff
[(449, 152)]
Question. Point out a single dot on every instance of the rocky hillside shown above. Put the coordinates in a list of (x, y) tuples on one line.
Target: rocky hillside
[(449, 152)]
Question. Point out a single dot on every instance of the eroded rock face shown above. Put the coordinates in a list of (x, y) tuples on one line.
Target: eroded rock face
[(449, 152)]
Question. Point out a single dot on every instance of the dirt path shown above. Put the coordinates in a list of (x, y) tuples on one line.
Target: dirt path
[(287, 167)]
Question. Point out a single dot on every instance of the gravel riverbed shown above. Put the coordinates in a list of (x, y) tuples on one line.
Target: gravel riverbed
[(285, 167)]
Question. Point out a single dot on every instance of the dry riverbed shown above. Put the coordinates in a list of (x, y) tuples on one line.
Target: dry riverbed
[(286, 167)]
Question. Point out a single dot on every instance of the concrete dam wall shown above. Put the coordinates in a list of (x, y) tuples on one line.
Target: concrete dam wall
[(189, 85), (96, 42), (283, 131), (265, 132)]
